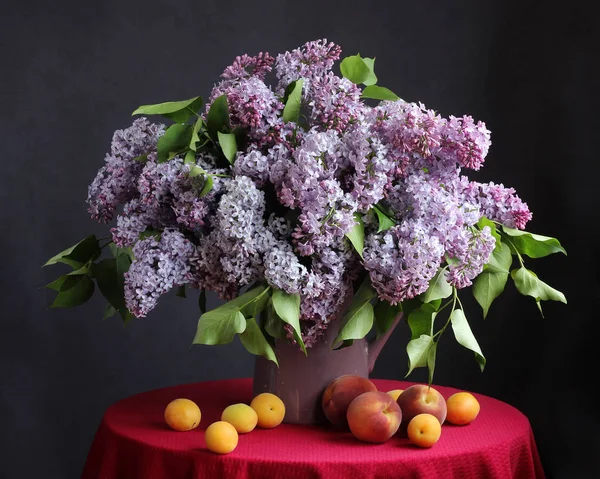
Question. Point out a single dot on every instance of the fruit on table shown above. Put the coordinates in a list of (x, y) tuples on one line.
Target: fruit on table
[(395, 393), (241, 416), (463, 408), (269, 409), (374, 416), (182, 414), (424, 430), (221, 437), (340, 393), (421, 398)]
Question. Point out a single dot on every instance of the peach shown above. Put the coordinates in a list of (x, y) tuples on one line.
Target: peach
[(374, 417), (340, 393), (269, 408), (463, 408), (182, 414), (424, 430), (395, 393), (421, 398), (241, 416), (221, 437)]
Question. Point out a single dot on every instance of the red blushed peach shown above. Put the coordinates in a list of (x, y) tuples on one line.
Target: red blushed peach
[(419, 399), (374, 417), (340, 393)]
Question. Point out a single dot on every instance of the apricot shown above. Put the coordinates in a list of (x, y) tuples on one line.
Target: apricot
[(221, 437), (395, 393), (424, 430), (269, 409), (241, 416), (463, 408), (340, 393), (182, 414), (374, 417)]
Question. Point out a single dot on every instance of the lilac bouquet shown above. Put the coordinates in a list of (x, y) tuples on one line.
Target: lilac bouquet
[(295, 196)]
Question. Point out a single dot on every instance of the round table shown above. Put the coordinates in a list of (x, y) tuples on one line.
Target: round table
[(133, 442)]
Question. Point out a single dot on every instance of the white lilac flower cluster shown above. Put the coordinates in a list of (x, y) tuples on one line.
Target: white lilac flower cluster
[(280, 213)]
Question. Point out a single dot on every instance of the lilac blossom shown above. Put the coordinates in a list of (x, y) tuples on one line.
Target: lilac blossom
[(470, 251), (402, 260), (372, 165), (335, 103), (497, 202), (311, 61), (280, 213), (254, 165), (246, 66), (115, 182), (465, 141), (159, 265)]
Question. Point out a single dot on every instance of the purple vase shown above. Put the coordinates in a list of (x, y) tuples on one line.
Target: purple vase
[(301, 380)]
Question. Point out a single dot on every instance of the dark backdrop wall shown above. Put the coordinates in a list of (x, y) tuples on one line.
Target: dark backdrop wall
[(71, 74)]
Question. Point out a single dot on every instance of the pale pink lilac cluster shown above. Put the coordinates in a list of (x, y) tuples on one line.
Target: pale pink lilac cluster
[(281, 212)]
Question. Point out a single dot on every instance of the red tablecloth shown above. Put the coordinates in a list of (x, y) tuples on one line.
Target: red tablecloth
[(133, 442)]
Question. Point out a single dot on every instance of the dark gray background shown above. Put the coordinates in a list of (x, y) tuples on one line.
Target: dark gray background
[(72, 72)]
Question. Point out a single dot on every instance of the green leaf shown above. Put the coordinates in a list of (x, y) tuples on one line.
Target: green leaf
[(409, 305), (287, 307), (219, 327), (208, 186), (202, 301), (259, 303), (246, 301), (195, 171), (385, 222), (357, 235), (273, 324), (228, 145), (483, 222), (500, 259), (190, 158), (464, 336), (431, 361), (355, 69), (529, 284), (78, 255), (438, 287), (150, 232), (109, 311), (141, 158), (420, 321), (358, 320), (175, 140), (178, 111), (195, 138), (108, 273), (117, 252), (75, 290), (371, 77), (379, 93), (217, 119), (291, 111), (57, 283), (385, 314), (532, 245), (418, 352), (255, 342), (491, 281), (181, 292), (487, 287)]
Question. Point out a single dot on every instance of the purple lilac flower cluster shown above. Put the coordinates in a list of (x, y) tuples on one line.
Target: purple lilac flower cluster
[(280, 213)]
